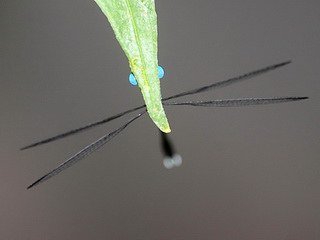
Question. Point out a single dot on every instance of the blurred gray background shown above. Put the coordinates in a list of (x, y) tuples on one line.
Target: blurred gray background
[(247, 173)]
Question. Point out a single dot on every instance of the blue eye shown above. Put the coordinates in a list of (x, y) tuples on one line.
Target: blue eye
[(133, 80), (160, 72)]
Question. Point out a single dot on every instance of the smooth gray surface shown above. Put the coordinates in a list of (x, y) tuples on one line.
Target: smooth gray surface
[(247, 173)]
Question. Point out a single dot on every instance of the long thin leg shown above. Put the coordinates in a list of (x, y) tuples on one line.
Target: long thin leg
[(84, 152), (237, 102), (74, 131), (228, 82)]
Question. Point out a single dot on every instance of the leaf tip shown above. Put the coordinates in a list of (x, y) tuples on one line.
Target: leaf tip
[(166, 129)]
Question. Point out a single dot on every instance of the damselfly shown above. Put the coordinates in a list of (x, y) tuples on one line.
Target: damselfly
[(167, 146)]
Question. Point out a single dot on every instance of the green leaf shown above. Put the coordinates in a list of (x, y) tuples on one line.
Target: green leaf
[(134, 23)]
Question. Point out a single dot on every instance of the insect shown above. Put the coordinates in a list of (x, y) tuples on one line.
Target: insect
[(173, 159), (134, 23)]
